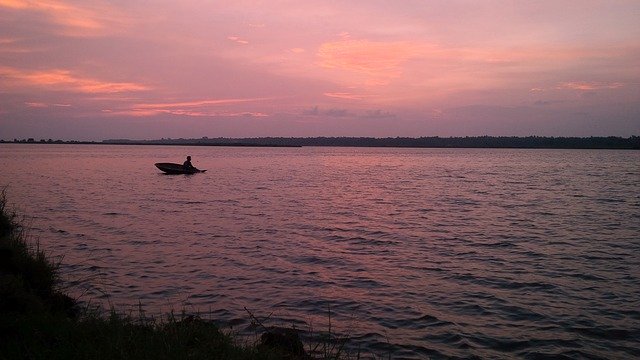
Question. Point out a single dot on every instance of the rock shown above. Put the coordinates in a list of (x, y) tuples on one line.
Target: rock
[(286, 341)]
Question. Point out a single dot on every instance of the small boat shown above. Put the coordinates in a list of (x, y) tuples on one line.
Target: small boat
[(172, 168)]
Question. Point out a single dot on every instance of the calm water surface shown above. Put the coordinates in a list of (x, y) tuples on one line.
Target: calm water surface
[(416, 252)]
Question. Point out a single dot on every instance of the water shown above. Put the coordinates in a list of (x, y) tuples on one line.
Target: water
[(414, 252)]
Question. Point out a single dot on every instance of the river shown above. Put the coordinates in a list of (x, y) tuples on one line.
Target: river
[(417, 253)]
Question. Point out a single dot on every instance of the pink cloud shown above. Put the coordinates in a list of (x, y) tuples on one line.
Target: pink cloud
[(57, 79), (9, 45), (36, 104), (379, 61), (237, 40), (81, 21), (378, 114), (587, 86), (131, 112), (200, 59), (199, 103), (346, 96), (137, 112), (197, 108)]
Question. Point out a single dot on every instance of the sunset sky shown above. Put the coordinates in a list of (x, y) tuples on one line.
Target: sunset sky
[(93, 70)]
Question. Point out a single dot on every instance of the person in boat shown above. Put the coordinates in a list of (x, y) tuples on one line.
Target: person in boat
[(187, 164)]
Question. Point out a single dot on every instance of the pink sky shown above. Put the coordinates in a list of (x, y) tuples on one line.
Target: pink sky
[(92, 70)]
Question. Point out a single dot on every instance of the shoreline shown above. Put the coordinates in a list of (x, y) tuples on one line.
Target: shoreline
[(475, 142)]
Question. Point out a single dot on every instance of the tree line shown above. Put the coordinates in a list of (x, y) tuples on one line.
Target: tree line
[(528, 142)]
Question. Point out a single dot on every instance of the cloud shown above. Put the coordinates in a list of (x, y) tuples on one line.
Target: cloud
[(588, 86), (199, 59), (237, 40), (197, 108), (137, 112), (12, 45), (36, 104), (337, 112), (547, 102), (315, 111), (428, 65), (75, 20), (131, 112), (379, 61), (378, 114), (199, 103), (345, 95), (58, 79)]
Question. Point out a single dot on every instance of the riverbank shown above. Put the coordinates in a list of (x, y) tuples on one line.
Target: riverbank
[(39, 321), (467, 142)]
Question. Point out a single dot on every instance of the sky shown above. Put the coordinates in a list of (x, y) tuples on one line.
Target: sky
[(94, 70)]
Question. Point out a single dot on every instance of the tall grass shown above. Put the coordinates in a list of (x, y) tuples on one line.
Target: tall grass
[(39, 321), (28, 279)]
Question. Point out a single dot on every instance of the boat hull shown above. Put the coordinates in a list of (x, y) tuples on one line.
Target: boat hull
[(172, 168)]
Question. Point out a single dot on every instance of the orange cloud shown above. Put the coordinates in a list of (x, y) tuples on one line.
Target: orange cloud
[(34, 104), (131, 112), (137, 112), (76, 20), (198, 103), (588, 86), (15, 4), (369, 64), (244, 114), (64, 80), (196, 108), (379, 61)]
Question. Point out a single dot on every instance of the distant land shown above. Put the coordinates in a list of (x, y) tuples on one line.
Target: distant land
[(512, 142)]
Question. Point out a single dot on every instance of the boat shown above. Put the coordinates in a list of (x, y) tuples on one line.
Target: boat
[(172, 168)]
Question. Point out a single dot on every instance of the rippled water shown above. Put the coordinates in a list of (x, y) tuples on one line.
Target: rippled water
[(416, 252)]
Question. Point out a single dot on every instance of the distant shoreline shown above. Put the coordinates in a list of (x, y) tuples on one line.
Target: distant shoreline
[(480, 142)]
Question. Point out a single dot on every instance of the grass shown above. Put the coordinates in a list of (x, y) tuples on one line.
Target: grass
[(121, 337), (39, 321), (28, 278)]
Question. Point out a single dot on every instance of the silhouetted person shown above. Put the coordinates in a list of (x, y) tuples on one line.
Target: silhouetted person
[(187, 164)]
